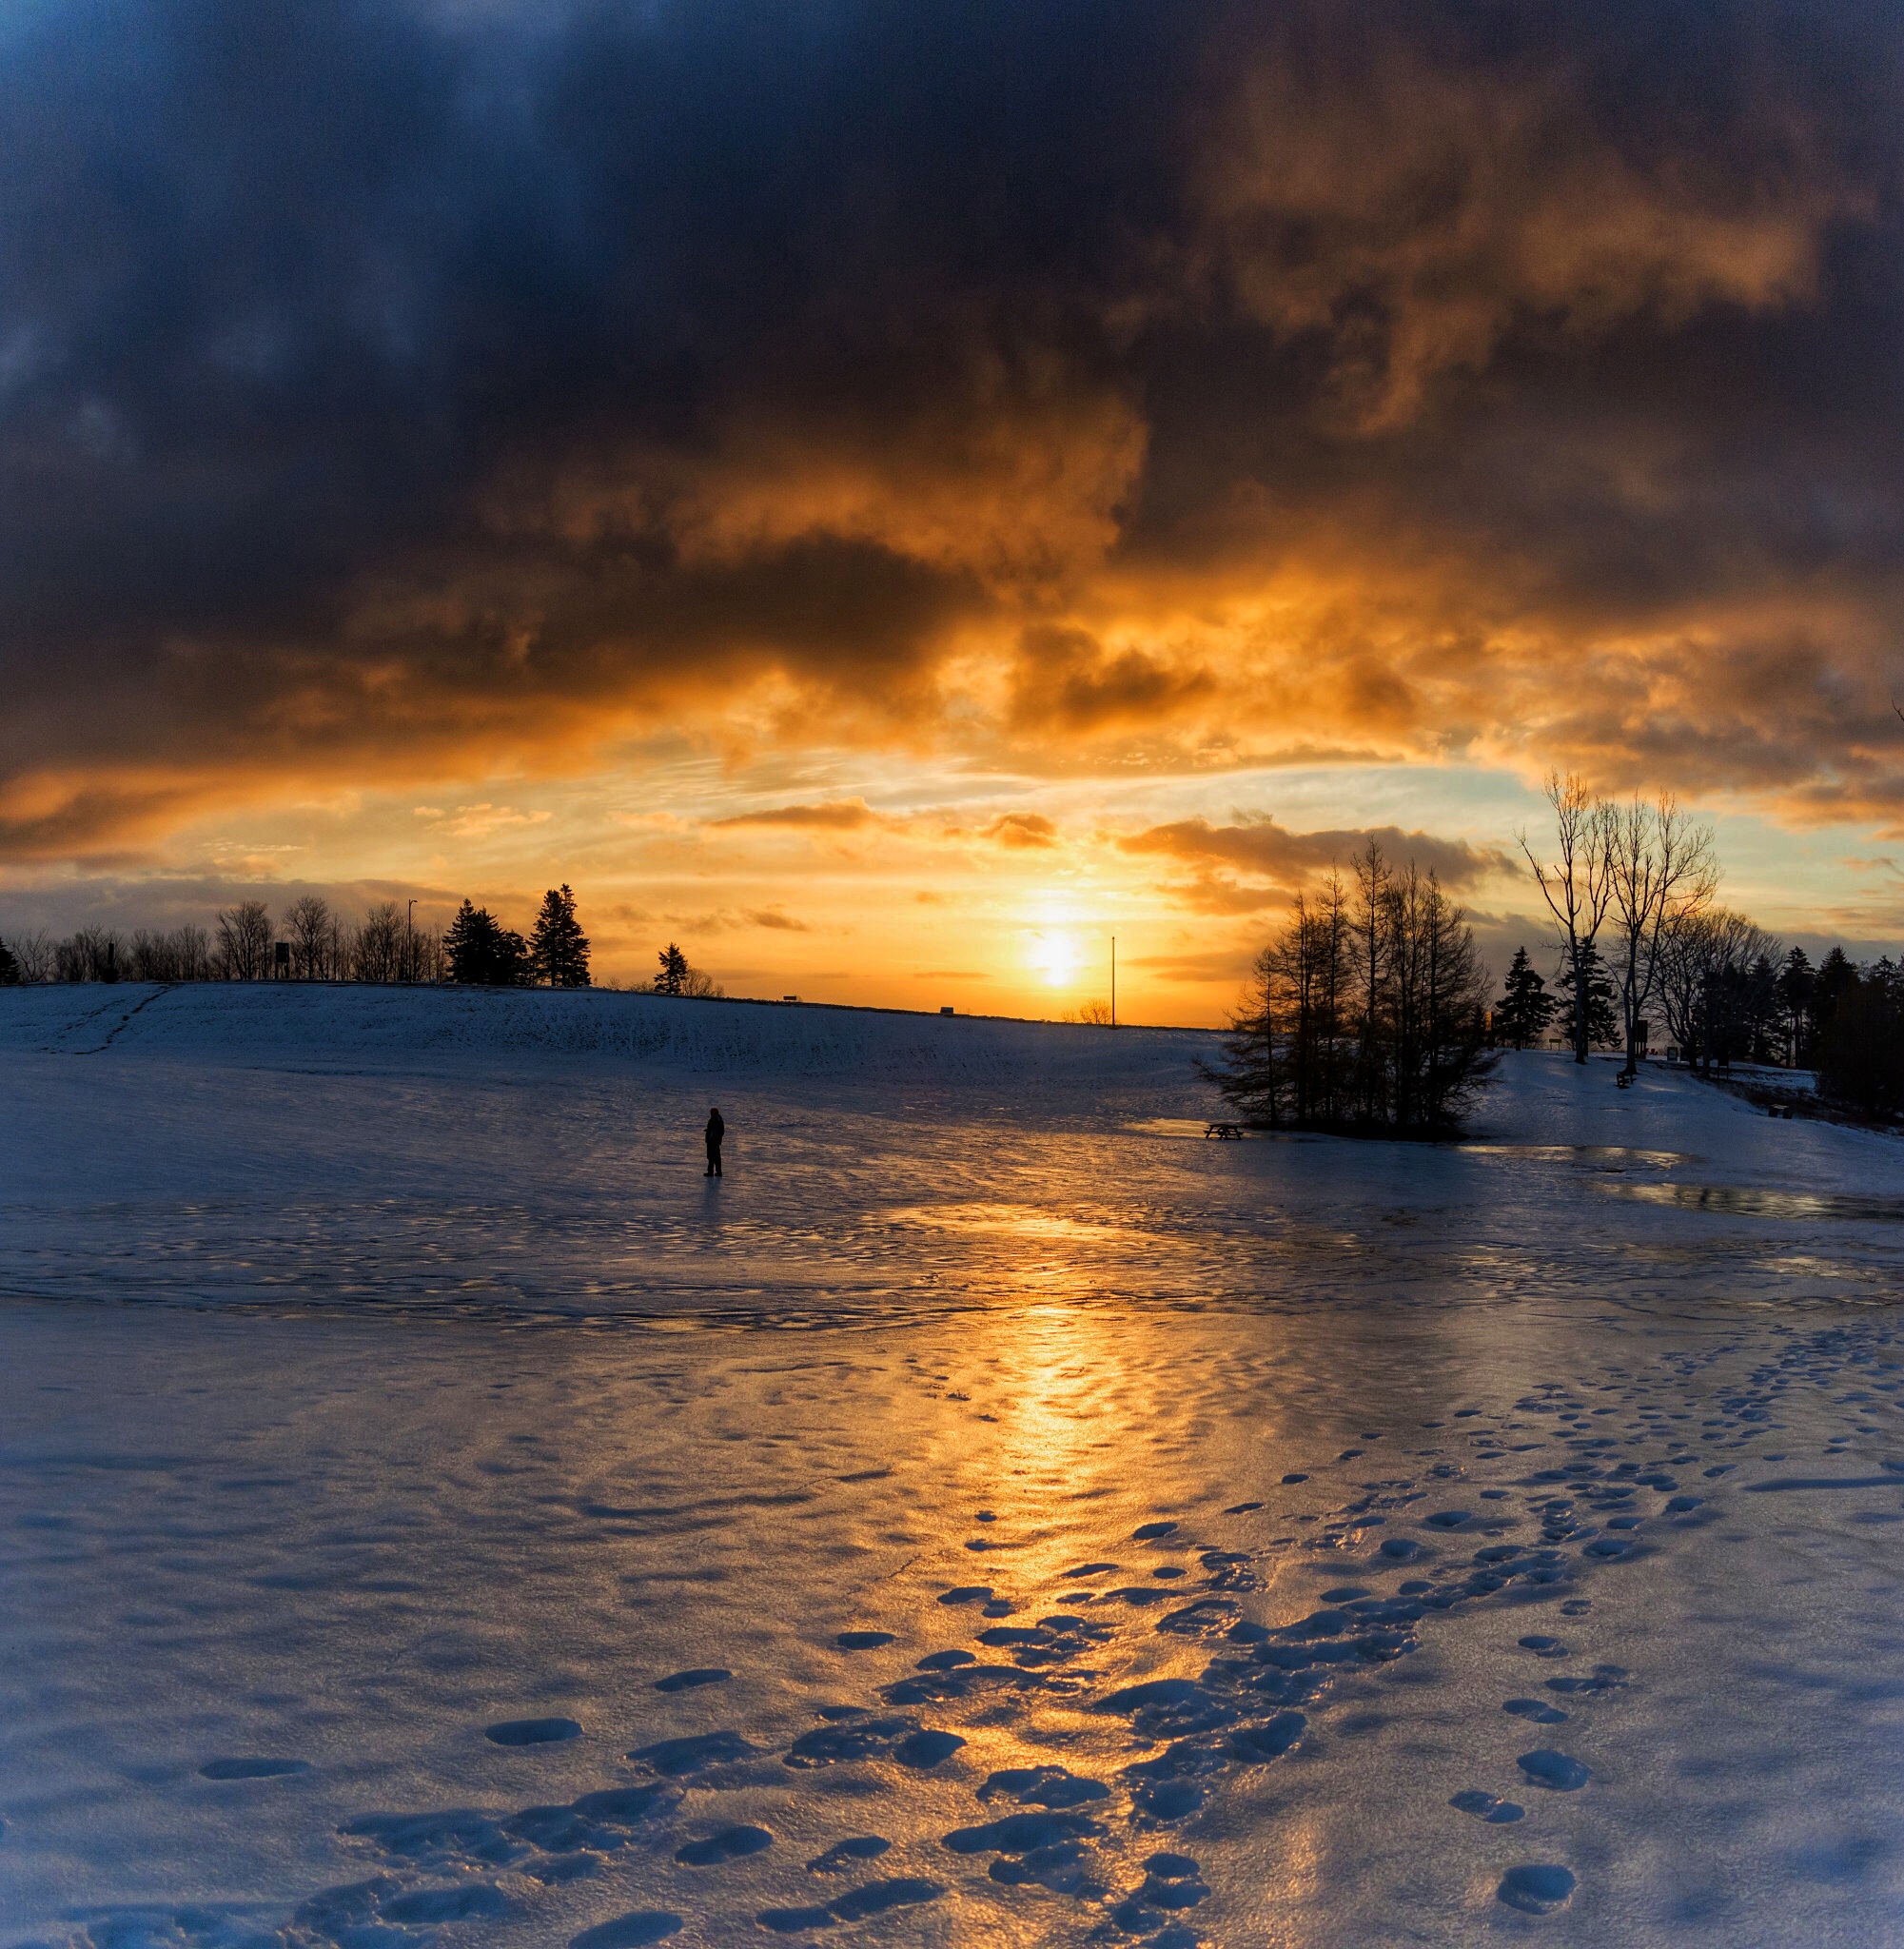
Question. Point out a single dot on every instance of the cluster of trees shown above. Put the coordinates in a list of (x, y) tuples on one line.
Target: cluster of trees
[(1860, 1036), (1644, 878), (240, 946), (479, 950), (1638, 877), (1729, 992), (1366, 1014), (678, 976), (320, 945)]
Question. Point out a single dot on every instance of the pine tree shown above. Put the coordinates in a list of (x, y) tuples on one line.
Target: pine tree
[(671, 977), (1526, 1008), (558, 946), (1602, 1023), (9, 968), (483, 952)]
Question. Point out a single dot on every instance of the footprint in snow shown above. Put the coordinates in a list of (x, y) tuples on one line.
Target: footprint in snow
[(1554, 1770), (842, 1855), (532, 1732), (1485, 1807), (688, 1681), (634, 1931), (1535, 1890), (876, 1898), (252, 1767), (730, 1844)]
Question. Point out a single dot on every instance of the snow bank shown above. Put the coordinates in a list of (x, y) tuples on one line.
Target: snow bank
[(267, 1021)]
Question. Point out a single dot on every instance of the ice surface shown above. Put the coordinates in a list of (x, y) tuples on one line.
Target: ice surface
[(432, 1513)]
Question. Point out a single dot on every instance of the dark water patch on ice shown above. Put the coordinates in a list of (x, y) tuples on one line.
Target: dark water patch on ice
[(1761, 1201), (1602, 1155)]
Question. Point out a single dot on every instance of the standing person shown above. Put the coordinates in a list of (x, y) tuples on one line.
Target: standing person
[(715, 1130)]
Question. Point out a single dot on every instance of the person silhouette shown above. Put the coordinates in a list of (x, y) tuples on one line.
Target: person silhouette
[(715, 1130)]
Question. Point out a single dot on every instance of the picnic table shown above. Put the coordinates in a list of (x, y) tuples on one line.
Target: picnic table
[(1230, 1133)]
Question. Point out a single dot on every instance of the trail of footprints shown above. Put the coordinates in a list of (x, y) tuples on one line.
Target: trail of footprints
[(1106, 1840)]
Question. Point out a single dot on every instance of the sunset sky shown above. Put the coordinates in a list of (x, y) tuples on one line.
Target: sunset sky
[(891, 496)]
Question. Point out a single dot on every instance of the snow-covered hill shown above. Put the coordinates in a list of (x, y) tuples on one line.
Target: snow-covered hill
[(284, 1021)]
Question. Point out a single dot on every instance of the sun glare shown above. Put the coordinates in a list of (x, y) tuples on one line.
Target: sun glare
[(1055, 954)]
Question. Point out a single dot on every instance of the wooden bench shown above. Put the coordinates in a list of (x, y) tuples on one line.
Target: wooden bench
[(1230, 1133)]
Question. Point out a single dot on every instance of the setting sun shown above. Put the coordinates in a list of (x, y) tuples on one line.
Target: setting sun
[(1056, 957)]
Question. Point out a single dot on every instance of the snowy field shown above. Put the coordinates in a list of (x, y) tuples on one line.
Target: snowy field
[(434, 1514)]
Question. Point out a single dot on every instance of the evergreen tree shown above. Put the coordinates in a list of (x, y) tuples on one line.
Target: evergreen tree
[(1602, 1023), (1862, 1053), (1797, 986), (671, 977), (482, 953), (9, 968), (558, 946), (1526, 1008), (1836, 977)]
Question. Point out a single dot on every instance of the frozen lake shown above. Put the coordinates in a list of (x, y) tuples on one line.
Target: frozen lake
[(433, 1513)]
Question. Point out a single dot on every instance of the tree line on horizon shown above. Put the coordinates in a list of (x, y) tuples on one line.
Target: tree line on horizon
[(319, 944)]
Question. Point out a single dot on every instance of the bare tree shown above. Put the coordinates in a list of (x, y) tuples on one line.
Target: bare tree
[(1094, 1013), (1577, 883), (245, 942), (90, 954), (150, 957), (380, 951), (1661, 872), (308, 922), (35, 953), (191, 952), (1370, 948), (1706, 959)]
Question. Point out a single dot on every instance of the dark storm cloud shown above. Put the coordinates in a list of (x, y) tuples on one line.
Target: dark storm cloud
[(383, 383)]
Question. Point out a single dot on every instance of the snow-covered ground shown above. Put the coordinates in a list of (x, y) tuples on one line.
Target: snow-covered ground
[(432, 1513)]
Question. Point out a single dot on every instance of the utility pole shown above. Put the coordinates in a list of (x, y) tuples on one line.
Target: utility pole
[(410, 944), (1113, 981)]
